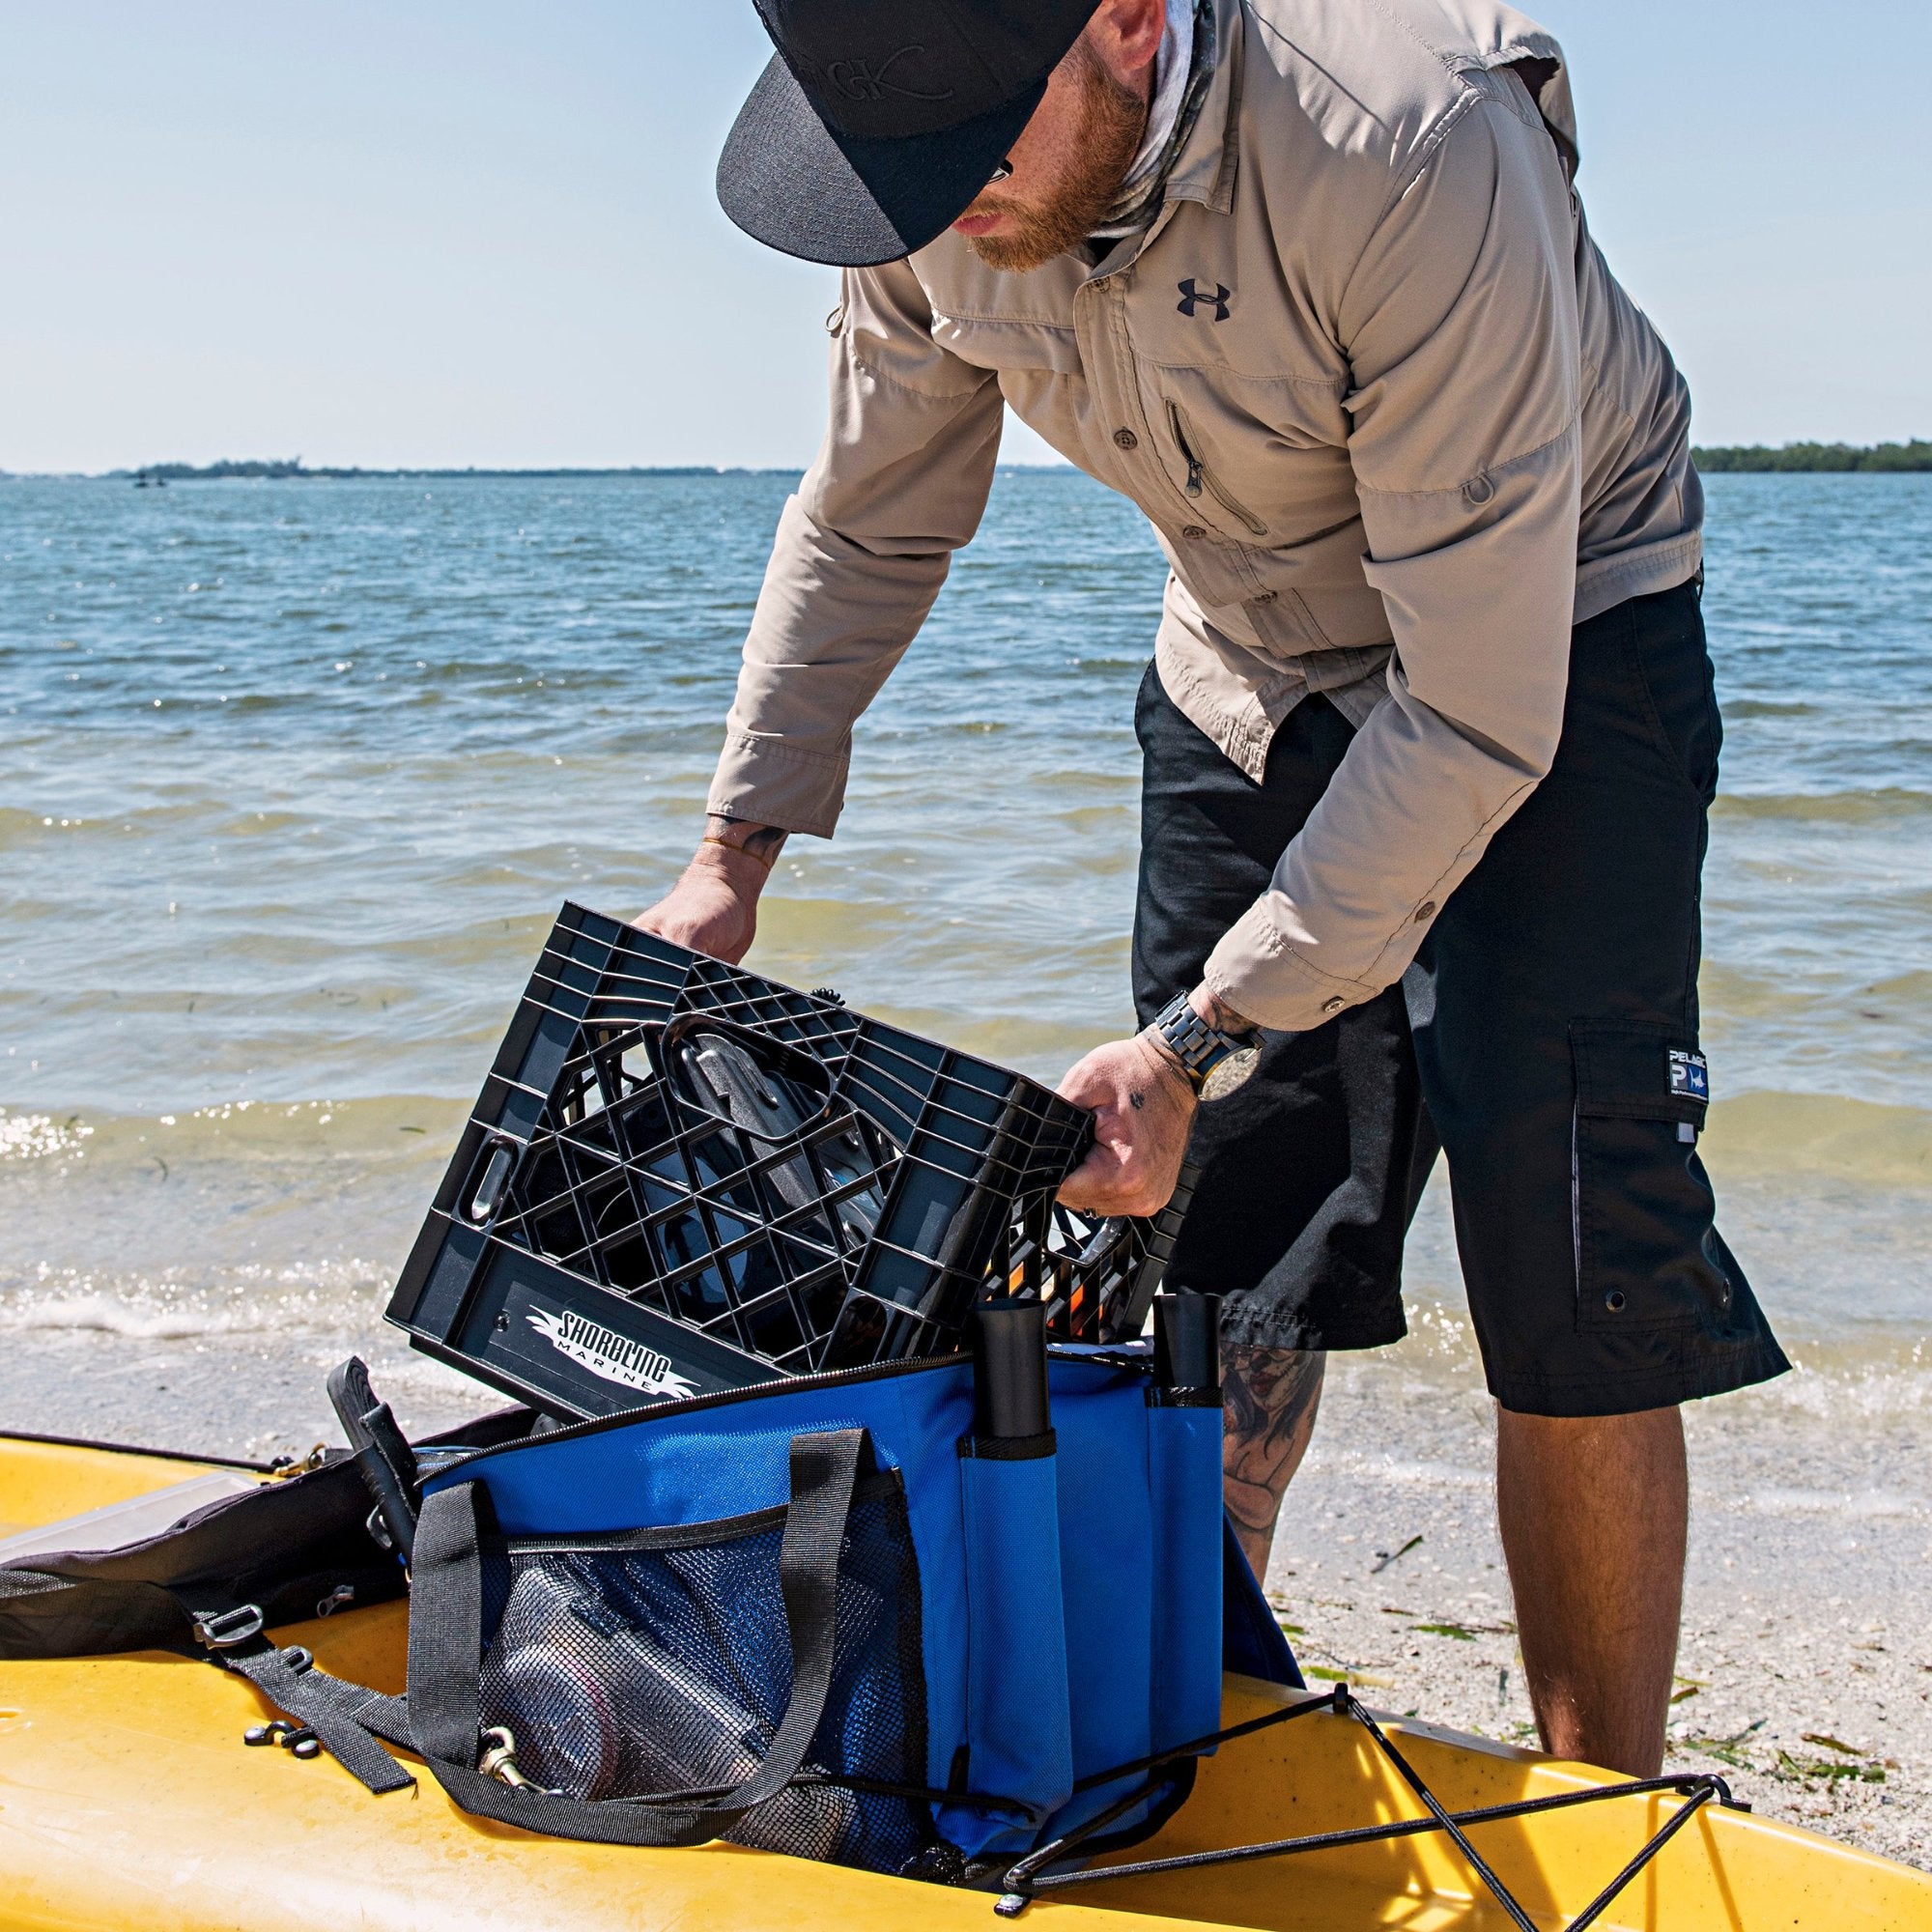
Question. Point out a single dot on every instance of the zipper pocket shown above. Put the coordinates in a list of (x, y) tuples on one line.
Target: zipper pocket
[(1199, 479)]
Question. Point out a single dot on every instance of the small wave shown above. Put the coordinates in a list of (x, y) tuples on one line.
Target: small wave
[(107, 1315), (1842, 807), (1736, 708), (22, 829), (328, 1297), (1837, 1380), (1822, 1133), (395, 1124), (38, 1136)]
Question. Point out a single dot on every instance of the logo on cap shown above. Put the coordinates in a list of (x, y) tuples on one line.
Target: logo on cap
[(871, 80)]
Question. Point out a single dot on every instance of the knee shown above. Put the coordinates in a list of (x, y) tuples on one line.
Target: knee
[(1643, 1448), (1270, 1392)]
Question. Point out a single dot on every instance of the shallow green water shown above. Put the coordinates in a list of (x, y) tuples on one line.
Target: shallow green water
[(297, 773)]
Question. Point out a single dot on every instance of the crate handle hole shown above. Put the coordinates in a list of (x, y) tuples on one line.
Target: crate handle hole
[(495, 1164)]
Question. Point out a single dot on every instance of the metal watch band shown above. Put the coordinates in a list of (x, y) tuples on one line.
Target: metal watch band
[(1199, 1046)]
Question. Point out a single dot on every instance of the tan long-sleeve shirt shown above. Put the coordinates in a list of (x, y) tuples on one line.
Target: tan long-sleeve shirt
[(1394, 423)]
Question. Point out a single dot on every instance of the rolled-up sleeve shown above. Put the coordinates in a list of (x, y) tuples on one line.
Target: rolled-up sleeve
[(1461, 325), (861, 553)]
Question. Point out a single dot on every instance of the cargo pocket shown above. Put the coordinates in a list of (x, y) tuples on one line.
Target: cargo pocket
[(1642, 1214), (657, 1664)]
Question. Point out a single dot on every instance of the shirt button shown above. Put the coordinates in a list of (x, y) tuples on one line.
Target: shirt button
[(1125, 438), (1479, 490), (1426, 910), (1614, 1301), (1192, 531), (1334, 1003)]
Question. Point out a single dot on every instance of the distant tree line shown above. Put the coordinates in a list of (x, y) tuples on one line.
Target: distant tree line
[(1814, 457), (281, 470), (1792, 458), (181, 472)]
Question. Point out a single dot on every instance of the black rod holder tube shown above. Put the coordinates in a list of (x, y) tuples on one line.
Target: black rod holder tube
[(1009, 1371), (1187, 1343)]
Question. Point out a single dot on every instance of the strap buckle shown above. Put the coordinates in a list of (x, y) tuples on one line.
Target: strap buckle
[(224, 1630)]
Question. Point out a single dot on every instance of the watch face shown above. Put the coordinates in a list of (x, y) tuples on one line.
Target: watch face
[(1228, 1072)]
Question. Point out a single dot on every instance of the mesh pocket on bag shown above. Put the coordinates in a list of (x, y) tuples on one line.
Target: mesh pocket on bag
[(658, 1662)]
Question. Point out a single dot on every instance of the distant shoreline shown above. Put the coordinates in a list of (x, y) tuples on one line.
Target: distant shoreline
[(255, 471), (1790, 459), (1817, 459)]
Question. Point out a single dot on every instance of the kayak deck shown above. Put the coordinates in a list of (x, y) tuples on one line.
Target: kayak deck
[(126, 1797)]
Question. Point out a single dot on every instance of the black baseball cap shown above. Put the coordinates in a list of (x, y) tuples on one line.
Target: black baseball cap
[(880, 120)]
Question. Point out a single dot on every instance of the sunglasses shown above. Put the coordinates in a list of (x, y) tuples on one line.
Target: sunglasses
[(1004, 172)]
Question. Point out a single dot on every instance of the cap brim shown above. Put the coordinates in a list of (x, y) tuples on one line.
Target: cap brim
[(793, 183)]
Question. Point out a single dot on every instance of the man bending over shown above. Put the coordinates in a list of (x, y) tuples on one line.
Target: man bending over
[(1429, 731)]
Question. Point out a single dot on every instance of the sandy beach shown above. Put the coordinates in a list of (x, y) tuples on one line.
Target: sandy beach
[(1806, 1668)]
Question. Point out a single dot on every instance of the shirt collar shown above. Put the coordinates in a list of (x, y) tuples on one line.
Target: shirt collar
[(1204, 170)]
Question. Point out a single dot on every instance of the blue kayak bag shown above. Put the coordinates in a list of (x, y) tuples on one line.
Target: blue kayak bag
[(821, 1617)]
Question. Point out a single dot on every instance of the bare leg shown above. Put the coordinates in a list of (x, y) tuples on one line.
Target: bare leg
[(1269, 1398), (1594, 1515)]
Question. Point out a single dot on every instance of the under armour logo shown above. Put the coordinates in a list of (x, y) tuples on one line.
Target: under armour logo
[(867, 80), (1190, 295)]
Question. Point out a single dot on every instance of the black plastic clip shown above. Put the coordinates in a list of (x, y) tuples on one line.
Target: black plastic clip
[(224, 1630)]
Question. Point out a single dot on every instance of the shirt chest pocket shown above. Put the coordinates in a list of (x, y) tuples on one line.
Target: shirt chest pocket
[(1265, 461), (1200, 484)]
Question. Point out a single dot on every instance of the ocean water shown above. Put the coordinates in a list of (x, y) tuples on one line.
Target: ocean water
[(297, 773)]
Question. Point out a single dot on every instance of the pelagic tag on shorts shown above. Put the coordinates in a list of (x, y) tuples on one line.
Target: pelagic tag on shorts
[(1690, 1076)]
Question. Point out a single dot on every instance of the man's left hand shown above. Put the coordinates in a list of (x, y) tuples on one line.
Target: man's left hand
[(1143, 1108)]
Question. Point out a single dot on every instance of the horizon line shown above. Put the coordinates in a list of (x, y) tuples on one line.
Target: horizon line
[(1715, 456), (256, 470)]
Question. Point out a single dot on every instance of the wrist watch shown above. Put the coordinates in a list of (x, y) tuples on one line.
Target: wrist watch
[(1215, 1063)]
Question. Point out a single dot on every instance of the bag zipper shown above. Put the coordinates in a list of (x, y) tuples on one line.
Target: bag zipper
[(1198, 477)]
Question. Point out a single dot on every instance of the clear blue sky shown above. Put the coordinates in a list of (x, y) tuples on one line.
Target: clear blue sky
[(442, 233)]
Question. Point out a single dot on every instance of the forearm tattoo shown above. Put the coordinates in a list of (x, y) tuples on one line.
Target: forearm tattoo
[(1269, 1398), (763, 842), (1217, 1013)]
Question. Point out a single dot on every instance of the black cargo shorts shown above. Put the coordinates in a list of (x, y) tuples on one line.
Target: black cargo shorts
[(1546, 1039)]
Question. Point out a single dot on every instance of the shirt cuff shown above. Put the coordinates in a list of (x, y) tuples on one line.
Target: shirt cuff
[(1257, 972), (762, 780)]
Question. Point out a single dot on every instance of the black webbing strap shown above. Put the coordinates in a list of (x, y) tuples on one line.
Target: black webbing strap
[(447, 1652), (343, 1716)]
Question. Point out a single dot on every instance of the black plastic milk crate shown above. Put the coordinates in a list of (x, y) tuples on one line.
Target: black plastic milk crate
[(681, 1177)]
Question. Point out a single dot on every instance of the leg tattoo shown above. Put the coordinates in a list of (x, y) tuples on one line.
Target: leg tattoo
[(1270, 1397)]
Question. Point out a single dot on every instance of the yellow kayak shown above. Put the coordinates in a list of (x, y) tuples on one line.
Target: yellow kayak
[(126, 1798)]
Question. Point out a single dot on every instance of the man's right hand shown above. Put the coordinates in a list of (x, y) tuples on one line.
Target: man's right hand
[(714, 906)]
